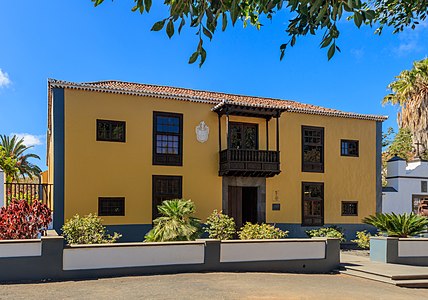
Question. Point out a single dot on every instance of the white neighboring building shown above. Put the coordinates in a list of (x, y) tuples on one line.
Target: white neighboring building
[(407, 185)]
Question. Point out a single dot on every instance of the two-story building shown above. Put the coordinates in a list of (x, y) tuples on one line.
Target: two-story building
[(119, 149)]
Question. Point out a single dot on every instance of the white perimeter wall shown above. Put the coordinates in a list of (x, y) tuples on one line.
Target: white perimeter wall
[(137, 255), (236, 251)]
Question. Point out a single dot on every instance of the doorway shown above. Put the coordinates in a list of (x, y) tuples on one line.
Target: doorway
[(242, 204)]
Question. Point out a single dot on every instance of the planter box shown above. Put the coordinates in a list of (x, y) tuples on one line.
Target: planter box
[(52, 260), (20, 248), (407, 251)]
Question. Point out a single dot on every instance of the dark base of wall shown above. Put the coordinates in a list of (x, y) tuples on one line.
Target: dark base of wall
[(131, 232), (298, 231)]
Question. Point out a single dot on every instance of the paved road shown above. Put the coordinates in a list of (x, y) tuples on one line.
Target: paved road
[(215, 286)]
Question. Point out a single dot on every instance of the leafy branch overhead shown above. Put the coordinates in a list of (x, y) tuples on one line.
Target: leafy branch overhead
[(306, 17)]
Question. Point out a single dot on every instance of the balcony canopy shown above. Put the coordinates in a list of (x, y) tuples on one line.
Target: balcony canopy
[(247, 110)]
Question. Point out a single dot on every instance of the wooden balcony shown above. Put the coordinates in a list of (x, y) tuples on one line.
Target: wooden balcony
[(249, 163)]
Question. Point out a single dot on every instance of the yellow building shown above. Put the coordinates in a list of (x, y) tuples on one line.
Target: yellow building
[(118, 149)]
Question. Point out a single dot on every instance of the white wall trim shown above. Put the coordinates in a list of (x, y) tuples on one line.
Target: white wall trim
[(413, 248), (19, 248), (274, 250), (84, 258)]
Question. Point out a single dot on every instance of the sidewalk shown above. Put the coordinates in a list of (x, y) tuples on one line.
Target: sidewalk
[(400, 275)]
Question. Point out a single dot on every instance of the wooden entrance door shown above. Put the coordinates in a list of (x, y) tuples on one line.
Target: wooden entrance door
[(242, 204), (234, 205)]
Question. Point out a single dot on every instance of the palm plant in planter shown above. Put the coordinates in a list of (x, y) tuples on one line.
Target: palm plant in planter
[(175, 223), (394, 225)]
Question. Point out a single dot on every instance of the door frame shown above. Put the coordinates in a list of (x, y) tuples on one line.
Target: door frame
[(258, 182)]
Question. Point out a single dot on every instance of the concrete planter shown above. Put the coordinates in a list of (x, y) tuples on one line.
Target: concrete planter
[(59, 262), (407, 251)]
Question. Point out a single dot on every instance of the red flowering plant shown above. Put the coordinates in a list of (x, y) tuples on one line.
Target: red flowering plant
[(23, 220)]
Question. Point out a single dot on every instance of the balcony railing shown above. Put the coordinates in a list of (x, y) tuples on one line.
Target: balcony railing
[(249, 163), (29, 191)]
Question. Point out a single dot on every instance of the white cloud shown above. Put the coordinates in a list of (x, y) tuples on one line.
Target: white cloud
[(30, 139), (410, 39), (358, 53), (4, 79)]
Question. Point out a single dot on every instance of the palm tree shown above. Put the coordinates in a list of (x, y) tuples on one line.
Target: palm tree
[(15, 148), (410, 92), (398, 225), (175, 223)]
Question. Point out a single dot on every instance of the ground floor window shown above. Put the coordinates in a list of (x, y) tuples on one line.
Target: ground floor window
[(111, 206), (349, 208), (312, 204), (165, 188)]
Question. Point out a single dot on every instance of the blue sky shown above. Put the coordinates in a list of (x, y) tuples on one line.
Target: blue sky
[(71, 40)]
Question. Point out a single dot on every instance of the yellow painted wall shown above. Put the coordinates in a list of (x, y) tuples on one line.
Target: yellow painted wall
[(94, 169), (345, 178)]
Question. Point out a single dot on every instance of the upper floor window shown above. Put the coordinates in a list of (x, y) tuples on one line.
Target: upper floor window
[(349, 148), (167, 139), (111, 131), (243, 136), (312, 149), (424, 187)]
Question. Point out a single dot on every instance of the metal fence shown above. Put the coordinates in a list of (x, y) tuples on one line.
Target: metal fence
[(30, 192)]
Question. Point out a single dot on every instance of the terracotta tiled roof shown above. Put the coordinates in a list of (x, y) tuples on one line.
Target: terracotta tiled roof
[(215, 98)]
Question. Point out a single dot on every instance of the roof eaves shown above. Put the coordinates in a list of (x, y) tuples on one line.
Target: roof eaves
[(116, 90), (338, 114)]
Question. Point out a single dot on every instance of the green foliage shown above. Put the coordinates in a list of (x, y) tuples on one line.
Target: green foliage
[(400, 145), (410, 92), (176, 222), (330, 232), (394, 225), (363, 239), (260, 232), (220, 226), (14, 148), (87, 230), (306, 17), (8, 165)]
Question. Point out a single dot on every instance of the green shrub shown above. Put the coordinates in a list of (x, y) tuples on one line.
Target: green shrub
[(175, 223), (220, 226), (330, 232), (87, 230), (261, 231), (363, 239), (403, 225)]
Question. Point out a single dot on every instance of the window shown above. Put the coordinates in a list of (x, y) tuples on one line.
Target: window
[(167, 139), (423, 186), (349, 148), (111, 131), (111, 206), (243, 136), (349, 208), (165, 188), (312, 204), (312, 149)]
